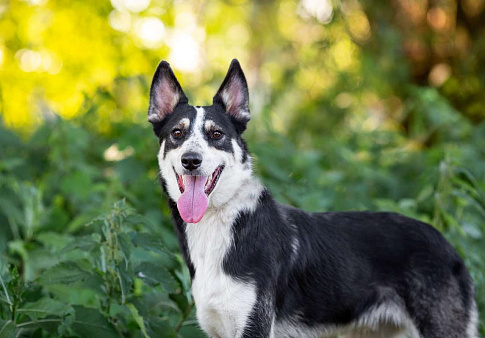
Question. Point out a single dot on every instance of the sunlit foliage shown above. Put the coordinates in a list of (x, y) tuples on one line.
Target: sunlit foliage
[(55, 55)]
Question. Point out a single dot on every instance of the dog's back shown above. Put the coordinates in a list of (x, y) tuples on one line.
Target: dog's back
[(365, 269)]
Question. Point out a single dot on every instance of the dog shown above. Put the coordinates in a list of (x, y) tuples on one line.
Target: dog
[(263, 269)]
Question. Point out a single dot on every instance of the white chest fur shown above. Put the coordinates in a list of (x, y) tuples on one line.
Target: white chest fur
[(223, 303)]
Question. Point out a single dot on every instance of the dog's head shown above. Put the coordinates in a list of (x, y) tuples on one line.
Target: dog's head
[(203, 159)]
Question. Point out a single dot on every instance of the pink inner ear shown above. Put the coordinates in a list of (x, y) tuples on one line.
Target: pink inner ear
[(166, 98), (233, 97)]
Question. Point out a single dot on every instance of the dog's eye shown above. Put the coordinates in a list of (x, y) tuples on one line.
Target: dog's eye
[(216, 135), (177, 133)]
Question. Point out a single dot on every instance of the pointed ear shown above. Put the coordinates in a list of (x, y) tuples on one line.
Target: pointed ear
[(165, 93), (233, 94)]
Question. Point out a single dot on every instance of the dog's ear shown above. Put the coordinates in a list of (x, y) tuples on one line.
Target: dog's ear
[(233, 94), (165, 93)]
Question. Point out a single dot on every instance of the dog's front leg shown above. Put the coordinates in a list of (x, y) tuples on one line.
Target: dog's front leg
[(260, 323)]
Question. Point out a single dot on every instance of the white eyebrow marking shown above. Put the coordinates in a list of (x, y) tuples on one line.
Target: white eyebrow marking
[(184, 123), (209, 124)]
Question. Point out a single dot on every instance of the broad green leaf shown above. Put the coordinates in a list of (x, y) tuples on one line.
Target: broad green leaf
[(126, 246), (156, 301), (7, 329), (160, 327), (155, 274), (472, 230), (138, 319), (191, 330), (148, 242), (11, 163), (64, 273), (138, 220), (76, 294), (126, 281), (54, 240), (76, 185), (45, 307), (4, 293), (84, 243), (91, 323)]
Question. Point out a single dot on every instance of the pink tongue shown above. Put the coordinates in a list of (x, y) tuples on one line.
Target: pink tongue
[(193, 202)]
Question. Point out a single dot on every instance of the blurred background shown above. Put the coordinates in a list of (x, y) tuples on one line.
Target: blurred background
[(355, 105)]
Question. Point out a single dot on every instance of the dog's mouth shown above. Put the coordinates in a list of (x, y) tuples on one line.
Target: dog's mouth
[(210, 182), (195, 190)]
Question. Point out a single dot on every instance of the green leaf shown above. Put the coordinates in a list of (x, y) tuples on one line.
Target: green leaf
[(54, 240), (84, 219), (160, 327), (138, 319), (126, 281), (45, 307), (11, 163), (149, 242), (4, 291), (91, 323), (125, 246), (138, 220), (76, 185), (157, 301), (76, 294), (425, 193), (7, 329), (64, 273), (84, 243), (156, 274), (472, 230), (191, 330)]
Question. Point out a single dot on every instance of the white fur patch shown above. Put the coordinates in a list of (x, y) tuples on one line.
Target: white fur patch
[(295, 246), (184, 123), (296, 330), (223, 303), (472, 326), (209, 124), (384, 321), (387, 314)]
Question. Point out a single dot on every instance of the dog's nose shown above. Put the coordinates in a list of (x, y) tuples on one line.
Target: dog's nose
[(191, 161)]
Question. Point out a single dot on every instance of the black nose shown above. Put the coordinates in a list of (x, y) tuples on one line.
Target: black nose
[(191, 161)]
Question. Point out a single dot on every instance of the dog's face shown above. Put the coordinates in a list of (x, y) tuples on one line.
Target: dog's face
[(202, 157)]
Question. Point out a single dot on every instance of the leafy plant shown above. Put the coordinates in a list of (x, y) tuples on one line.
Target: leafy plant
[(111, 282)]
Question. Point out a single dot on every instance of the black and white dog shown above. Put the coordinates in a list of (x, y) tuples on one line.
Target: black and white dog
[(262, 269)]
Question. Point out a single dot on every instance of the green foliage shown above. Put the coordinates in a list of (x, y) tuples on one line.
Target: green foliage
[(77, 260)]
